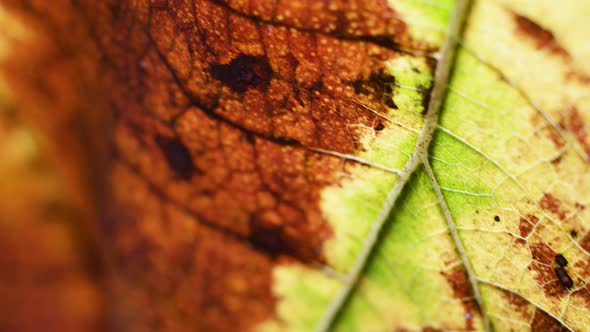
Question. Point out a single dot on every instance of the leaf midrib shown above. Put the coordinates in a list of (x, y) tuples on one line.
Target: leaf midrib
[(418, 157)]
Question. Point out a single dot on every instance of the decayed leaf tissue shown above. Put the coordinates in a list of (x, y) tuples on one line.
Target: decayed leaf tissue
[(294, 165)]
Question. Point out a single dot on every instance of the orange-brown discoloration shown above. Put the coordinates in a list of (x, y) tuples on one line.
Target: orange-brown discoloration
[(542, 322), (527, 224), (552, 204), (355, 20), (542, 264), (518, 304), (548, 131), (583, 294), (585, 242), (577, 76), (542, 38), (194, 270), (430, 329), (582, 267), (556, 137), (575, 124), (462, 291)]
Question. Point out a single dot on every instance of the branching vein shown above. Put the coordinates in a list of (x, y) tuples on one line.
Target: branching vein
[(458, 243)]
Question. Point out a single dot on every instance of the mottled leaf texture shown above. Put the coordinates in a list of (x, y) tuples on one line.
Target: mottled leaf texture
[(274, 165)]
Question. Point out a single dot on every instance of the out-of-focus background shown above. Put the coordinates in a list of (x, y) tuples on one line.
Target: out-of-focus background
[(51, 275)]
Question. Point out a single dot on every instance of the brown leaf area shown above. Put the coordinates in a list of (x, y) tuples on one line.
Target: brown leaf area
[(215, 109), (538, 319), (218, 114)]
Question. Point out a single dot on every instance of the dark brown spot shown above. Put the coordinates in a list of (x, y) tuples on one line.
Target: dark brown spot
[(564, 278), (496, 218), (379, 126), (243, 72), (545, 323), (574, 233), (177, 156), (527, 224), (557, 161), (560, 260), (542, 38), (551, 204), (271, 240), (390, 103)]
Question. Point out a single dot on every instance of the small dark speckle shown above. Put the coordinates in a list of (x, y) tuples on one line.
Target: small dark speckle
[(574, 233), (390, 103), (358, 86), (379, 126), (250, 138), (560, 260), (177, 156), (497, 219), (564, 278), (388, 89), (143, 64), (288, 141)]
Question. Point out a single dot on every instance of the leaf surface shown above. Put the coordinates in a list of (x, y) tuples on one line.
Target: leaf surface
[(299, 166)]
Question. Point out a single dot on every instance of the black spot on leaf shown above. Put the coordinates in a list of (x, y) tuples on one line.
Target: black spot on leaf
[(177, 156), (564, 278), (560, 260), (497, 218), (244, 72)]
